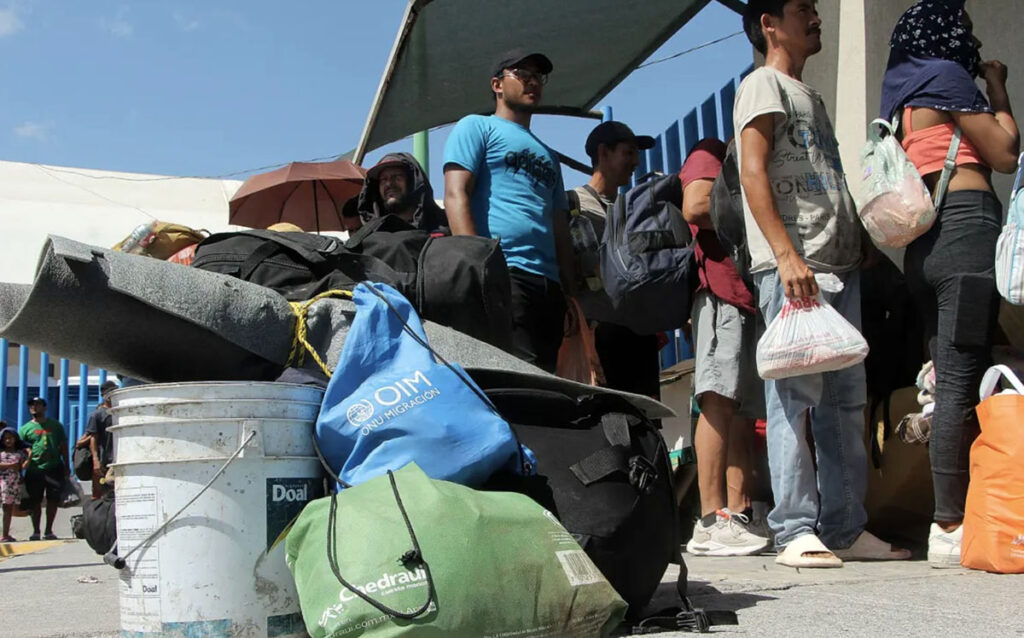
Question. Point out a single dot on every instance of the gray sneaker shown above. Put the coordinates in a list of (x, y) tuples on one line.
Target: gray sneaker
[(727, 536)]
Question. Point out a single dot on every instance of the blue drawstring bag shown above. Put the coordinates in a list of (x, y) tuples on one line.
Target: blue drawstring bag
[(391, 402)]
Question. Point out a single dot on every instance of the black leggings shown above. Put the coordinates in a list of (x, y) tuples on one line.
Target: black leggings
[(950, 271)]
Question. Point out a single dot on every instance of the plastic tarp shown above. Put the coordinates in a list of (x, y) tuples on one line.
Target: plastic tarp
[(439, 67)]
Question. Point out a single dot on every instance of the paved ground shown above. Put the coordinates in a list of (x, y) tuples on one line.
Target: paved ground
[(64, 590)]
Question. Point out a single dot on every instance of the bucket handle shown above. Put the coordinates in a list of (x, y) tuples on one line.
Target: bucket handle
[(119, 562)]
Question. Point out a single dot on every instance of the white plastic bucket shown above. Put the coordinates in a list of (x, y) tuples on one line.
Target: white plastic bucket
[(214, 409), (215, 390), (216, 570), (213, 439)]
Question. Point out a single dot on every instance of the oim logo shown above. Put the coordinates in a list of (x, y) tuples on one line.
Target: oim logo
[(360, 412)]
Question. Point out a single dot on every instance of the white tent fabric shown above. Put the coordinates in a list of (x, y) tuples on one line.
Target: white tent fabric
[(442, 59), (95, 207)]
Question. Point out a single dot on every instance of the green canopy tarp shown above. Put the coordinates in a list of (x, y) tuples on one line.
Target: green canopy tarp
[(439, 66)]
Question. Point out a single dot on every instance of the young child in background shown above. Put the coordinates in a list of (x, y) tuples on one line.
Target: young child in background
[(13, 458)]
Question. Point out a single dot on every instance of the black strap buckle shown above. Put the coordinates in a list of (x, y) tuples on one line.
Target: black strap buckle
[(686, 619), (642, 473)]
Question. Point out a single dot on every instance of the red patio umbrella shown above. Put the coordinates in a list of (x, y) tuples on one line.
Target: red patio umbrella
[(308, 194)]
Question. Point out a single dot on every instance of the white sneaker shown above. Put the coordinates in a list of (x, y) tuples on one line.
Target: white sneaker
[(944, 547), (727, 536)]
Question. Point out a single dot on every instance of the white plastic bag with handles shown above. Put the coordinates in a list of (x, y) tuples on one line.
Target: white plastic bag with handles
[(809, 336)]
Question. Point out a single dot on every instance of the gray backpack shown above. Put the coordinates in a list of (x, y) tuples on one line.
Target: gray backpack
[(647, 261)]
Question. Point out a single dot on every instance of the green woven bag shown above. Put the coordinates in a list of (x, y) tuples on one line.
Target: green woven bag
[(423, 557)]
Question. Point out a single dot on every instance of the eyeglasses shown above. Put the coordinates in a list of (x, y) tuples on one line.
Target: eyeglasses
[(526, 77)]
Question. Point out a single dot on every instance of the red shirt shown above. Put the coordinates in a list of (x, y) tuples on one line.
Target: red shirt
[(715, 269)]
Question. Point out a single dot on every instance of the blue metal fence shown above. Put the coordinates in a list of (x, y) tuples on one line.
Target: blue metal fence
[(74, 402), (712, 118)]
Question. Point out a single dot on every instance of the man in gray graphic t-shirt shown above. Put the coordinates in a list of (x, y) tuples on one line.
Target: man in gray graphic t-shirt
[(800, 219)]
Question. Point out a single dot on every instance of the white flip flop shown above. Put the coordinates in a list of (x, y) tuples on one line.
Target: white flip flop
[(869, 547), (794, 554)]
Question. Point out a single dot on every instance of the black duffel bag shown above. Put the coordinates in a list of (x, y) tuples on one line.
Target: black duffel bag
[(608, 480), (99, 523), (603, 469), (460, 282)]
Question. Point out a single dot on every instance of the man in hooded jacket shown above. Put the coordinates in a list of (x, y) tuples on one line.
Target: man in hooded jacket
[(398, 186)]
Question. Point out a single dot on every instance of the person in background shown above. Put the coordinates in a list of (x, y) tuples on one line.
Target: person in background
[(13, 459), (800, 219), (726, 385), (397, 185), (629, 360), (501, 181), (99, 441), (930, 85), (48, 467)]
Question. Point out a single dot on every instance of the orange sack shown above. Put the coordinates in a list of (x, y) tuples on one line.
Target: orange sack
[(994, 519)]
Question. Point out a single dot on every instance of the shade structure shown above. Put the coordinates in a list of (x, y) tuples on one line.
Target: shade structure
[(442, 60), (310, 195)]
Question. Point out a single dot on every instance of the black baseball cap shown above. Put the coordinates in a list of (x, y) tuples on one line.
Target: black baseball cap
[(35, 400), (509, 60), (612, 133), (108, 387)]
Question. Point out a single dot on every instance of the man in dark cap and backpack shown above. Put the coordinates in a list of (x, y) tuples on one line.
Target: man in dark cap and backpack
[(98, 440), (630, 361)]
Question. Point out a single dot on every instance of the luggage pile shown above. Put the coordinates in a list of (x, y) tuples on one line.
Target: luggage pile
[(469, 493)]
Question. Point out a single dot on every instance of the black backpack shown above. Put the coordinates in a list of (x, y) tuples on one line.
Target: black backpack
[(727, 215), (604, 471), (82, 462), (461, 282)]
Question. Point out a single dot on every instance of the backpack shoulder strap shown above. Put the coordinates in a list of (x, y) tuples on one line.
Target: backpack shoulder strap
[(574, 199), (947, 168), (597, 196)]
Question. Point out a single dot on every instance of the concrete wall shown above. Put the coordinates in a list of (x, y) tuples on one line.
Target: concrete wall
[(848, 71)]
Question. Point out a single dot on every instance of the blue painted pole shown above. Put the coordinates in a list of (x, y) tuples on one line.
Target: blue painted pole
[(83, 397), (62, 410), (44, 373), (709, 117), (3, 378), (103, 376), (606, 114), (22, 385)]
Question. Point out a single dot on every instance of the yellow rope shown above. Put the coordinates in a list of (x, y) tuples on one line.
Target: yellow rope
[(300, 345)]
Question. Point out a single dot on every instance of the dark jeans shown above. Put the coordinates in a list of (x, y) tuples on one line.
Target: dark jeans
[(538, 318), (630, 361), (950, 272)]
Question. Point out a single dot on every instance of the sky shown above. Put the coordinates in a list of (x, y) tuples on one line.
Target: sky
[(226, 88)]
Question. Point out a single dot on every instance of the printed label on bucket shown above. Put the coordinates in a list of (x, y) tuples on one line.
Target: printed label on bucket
[(137, 518), (285, 499)]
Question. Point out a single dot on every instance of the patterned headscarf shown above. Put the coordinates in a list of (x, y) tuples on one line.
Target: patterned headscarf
[(935, 29), (933, 62)]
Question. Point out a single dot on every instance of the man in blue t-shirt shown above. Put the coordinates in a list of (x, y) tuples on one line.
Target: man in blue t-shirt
[(502, 182)]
